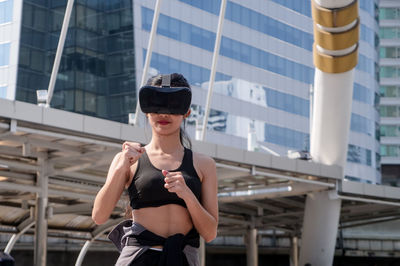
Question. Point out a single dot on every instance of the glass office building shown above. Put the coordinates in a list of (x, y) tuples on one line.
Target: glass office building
[(97, 70), (263, 78), (389, 16)]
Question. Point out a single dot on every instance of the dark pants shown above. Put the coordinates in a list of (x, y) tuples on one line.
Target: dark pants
[(151, 258)]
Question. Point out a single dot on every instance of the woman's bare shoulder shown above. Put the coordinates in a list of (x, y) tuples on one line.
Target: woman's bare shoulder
[(203, 160), (204, 165)]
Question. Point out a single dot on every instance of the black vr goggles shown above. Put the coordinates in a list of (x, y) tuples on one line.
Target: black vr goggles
[(165, 99)]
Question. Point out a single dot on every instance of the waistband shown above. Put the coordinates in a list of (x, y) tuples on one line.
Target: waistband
[(128, 233)]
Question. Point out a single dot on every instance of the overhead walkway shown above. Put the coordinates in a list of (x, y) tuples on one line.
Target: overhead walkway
[(53, 162)]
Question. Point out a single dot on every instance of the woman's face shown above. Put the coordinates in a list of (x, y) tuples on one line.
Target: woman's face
[(165, 124)]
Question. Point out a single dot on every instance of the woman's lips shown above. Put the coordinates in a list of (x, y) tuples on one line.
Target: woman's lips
[(163, 122)]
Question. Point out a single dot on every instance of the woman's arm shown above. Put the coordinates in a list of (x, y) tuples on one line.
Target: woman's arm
[(205, 214), (117, 177)]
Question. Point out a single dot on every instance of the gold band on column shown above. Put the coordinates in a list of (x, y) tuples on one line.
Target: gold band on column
[(336, 40), (335, 17), (335, 64)]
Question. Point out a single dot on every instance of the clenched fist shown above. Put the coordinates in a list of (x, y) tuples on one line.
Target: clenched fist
[(131, 152), (175, 183)]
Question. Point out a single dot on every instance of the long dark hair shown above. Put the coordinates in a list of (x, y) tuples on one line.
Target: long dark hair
[(177, 80)]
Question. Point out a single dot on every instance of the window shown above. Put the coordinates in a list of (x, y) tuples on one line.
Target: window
[(389, 151), (390, 91), (389, 72), (389, 111), (389, 13), (389, 33), (389, 52), (356, 154)]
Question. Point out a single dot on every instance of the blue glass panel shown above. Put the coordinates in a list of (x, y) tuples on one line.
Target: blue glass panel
[(362, 94), (365, 64), (285, 137), (6, 11), (367, 35), (3, 91), (194, 74), (286, 102), (303, 7), (361, 124), (4, 54), (211, 6)]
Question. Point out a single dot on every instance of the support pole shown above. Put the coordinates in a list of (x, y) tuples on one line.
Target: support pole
[(40, 245), (202, 252), (60, 48), (294, 254), (251, 247), (213, 68), (149, 52)]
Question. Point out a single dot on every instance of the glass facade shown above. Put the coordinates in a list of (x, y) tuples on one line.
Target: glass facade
[(97, 70), (230, 48), (389, 52)]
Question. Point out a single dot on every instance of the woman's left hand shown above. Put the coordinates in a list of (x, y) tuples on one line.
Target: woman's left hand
[(175, 183)]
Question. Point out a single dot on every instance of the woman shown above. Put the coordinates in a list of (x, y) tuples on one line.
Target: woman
[(172, 190)]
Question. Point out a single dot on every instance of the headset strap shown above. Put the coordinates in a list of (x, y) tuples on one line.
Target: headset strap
[(166, 81)]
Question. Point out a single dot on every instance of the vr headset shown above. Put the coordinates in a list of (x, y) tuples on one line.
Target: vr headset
[(165, 99)]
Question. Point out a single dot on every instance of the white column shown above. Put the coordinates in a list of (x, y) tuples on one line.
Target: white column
[(251, 247), (321, 219), (40, 245), (330, 128)]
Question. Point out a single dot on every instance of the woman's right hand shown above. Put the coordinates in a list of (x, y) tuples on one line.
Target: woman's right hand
[(131, 152)]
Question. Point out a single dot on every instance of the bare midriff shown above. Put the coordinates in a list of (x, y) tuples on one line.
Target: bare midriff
[(165, 221)]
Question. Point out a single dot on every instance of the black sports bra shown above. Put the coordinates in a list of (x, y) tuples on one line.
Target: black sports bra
[(147, 187)]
